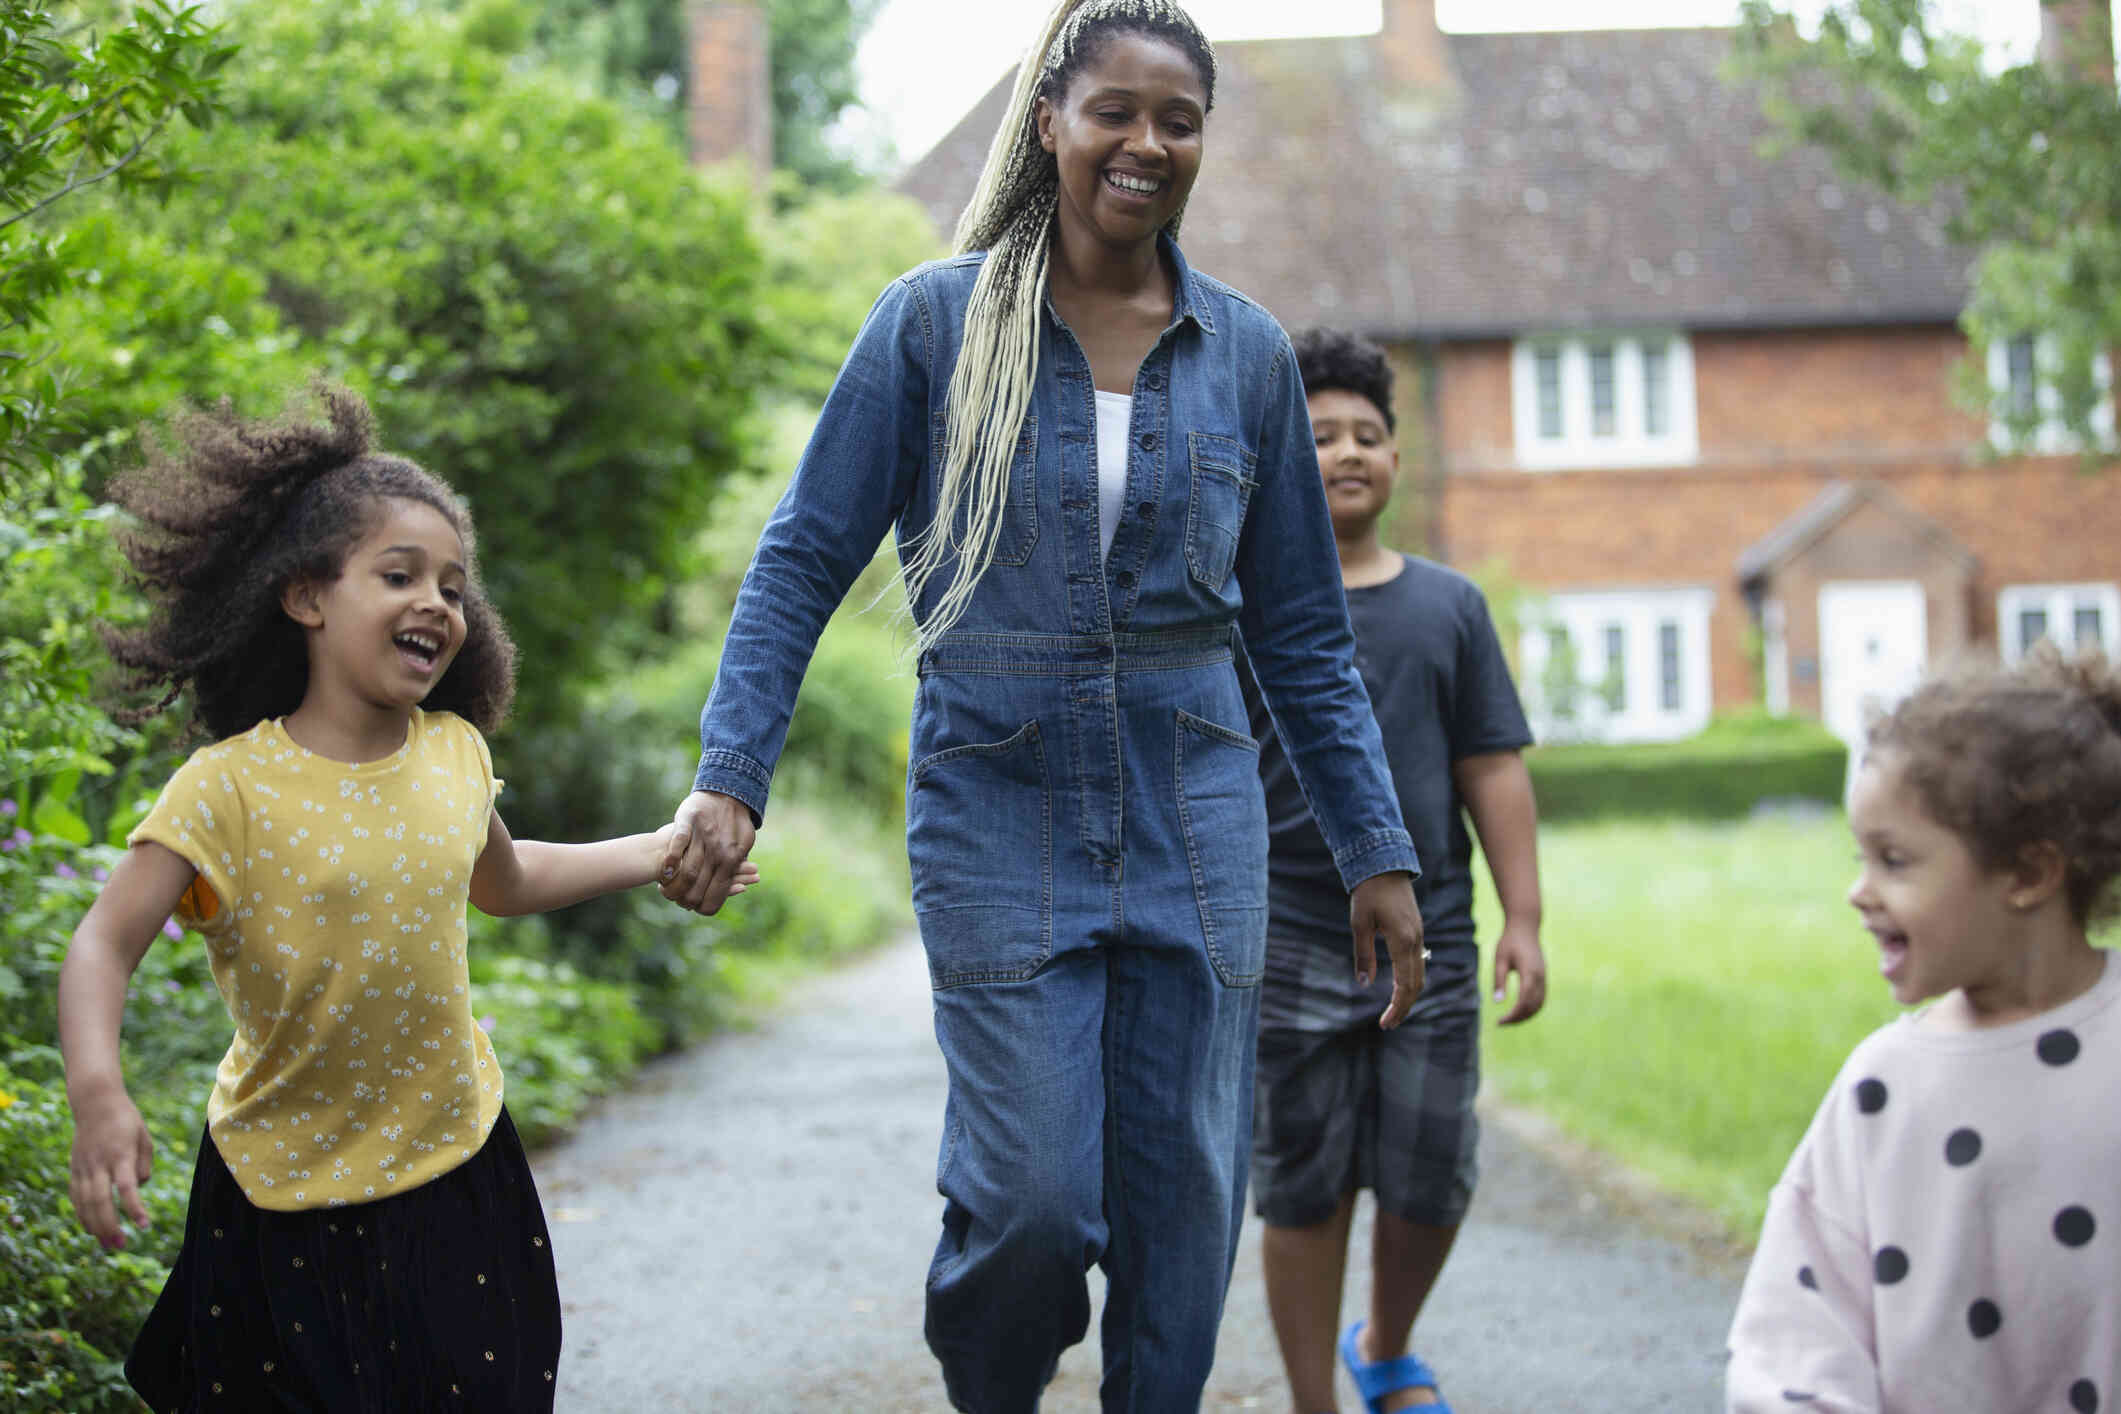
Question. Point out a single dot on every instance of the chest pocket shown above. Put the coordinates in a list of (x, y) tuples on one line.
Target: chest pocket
[(1019, 532), (1224, 474)]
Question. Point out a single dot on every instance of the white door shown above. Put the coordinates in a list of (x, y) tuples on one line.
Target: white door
[(1873, 643)]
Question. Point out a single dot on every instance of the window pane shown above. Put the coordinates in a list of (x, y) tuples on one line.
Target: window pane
[(1656, 390), (2032, 627), (2020, 390), (1615, 686), (1605, 400), (2088, 629), (1546, 369), (1668, 666)]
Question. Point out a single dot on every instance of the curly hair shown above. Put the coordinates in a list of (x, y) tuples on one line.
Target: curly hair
[(1330, 359), (226, 514), (2019, 757)]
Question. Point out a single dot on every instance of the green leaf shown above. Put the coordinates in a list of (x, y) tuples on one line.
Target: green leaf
[(59, 822)]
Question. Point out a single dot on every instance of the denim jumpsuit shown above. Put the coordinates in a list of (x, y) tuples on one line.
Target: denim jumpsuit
[(1084, 818)]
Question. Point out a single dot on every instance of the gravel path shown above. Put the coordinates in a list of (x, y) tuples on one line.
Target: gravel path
[(747, 1229)]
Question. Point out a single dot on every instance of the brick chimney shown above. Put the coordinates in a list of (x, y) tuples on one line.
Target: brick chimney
[(2077, 38), (729, 86), (1413, 47)]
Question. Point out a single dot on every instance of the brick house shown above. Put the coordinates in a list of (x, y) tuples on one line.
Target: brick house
[(1696, 400)]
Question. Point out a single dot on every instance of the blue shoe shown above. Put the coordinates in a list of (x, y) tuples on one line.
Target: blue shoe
[(1376, 1379)]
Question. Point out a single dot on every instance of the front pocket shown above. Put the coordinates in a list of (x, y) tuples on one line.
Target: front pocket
[(1223, 476), (1019, 530), (1222, 812), (979, 837)]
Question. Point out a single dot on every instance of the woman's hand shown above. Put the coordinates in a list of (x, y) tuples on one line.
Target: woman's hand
[(704, 859), (113, 1155), (1384, 904)]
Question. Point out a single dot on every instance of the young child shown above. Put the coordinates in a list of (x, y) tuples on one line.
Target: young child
[(363, 1232), (1945, 1236), (1342, 1105)]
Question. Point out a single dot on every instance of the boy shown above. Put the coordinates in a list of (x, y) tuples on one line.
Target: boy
[(1342, 1105)]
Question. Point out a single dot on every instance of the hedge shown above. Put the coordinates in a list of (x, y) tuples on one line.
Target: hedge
[(1723, 773)]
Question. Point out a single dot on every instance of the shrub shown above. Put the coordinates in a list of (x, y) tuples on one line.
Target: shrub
[(561, 1038), (1722, 773), (68, 1310)]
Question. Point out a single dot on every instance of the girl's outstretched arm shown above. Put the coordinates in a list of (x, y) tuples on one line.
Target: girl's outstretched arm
[(531, 876), (112, 1154)]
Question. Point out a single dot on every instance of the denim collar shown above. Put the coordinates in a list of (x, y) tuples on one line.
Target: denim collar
[(1187, 301), (1188, 297)]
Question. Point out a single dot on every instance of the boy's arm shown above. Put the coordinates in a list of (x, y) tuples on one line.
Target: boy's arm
[(112, 1153), (1497, 790), (533, 876)]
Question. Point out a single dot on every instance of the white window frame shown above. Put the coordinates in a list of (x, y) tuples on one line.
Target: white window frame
[(2060, 603), (1639, 614), (1631, 444), (2051, 437)]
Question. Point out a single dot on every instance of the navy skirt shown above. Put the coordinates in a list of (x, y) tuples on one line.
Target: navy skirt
[(440, 1298)]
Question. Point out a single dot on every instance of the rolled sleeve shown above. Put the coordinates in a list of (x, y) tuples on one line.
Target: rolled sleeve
[(1384, 852)]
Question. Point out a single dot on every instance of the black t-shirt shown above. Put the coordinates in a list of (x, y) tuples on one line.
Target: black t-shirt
[(1441, 689)]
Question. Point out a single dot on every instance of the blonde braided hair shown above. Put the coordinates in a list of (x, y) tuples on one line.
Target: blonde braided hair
[(1011, 217)]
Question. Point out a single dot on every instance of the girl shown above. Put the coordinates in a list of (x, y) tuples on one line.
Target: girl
[(1099, 465), (1945, 1237), (363, 1232)]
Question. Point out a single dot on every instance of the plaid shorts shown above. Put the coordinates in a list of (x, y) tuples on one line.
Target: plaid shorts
[(1356, 1107)]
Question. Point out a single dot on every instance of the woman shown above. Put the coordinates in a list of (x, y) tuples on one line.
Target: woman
[(1099, 463)]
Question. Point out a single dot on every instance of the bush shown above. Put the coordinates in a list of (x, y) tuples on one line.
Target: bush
[(544, 303), (1722, 773), (68, 1310), (561, 1038)]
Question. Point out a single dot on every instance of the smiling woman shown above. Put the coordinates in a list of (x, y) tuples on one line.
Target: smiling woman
[(1100, 468)]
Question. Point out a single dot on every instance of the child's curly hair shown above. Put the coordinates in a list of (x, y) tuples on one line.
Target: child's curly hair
[(2014, 758), (228, 512), (1334, 359)]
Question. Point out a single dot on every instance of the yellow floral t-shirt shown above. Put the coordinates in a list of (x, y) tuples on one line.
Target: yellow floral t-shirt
[(333, 904)]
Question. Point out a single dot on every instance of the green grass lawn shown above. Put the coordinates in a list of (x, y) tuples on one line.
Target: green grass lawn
[(1706, 981)]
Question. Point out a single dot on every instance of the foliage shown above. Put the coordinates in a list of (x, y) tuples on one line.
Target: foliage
[(814, 43), (561, 1038), (2028, 159), (80, 105), (642, 43), (1707, 982), (58, 576), (1722, 773), (542, 302), (68, 1311), (828, 260)]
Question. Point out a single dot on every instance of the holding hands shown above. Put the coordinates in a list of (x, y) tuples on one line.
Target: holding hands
[(705, 851)]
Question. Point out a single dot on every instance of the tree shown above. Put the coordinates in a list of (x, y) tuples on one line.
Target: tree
[(814, 44), (80, 104), (827, 261), (2028, 158), (543, 302), (642, 43)]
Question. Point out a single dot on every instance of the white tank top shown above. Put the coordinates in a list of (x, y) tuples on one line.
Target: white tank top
[(1114, 412)]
